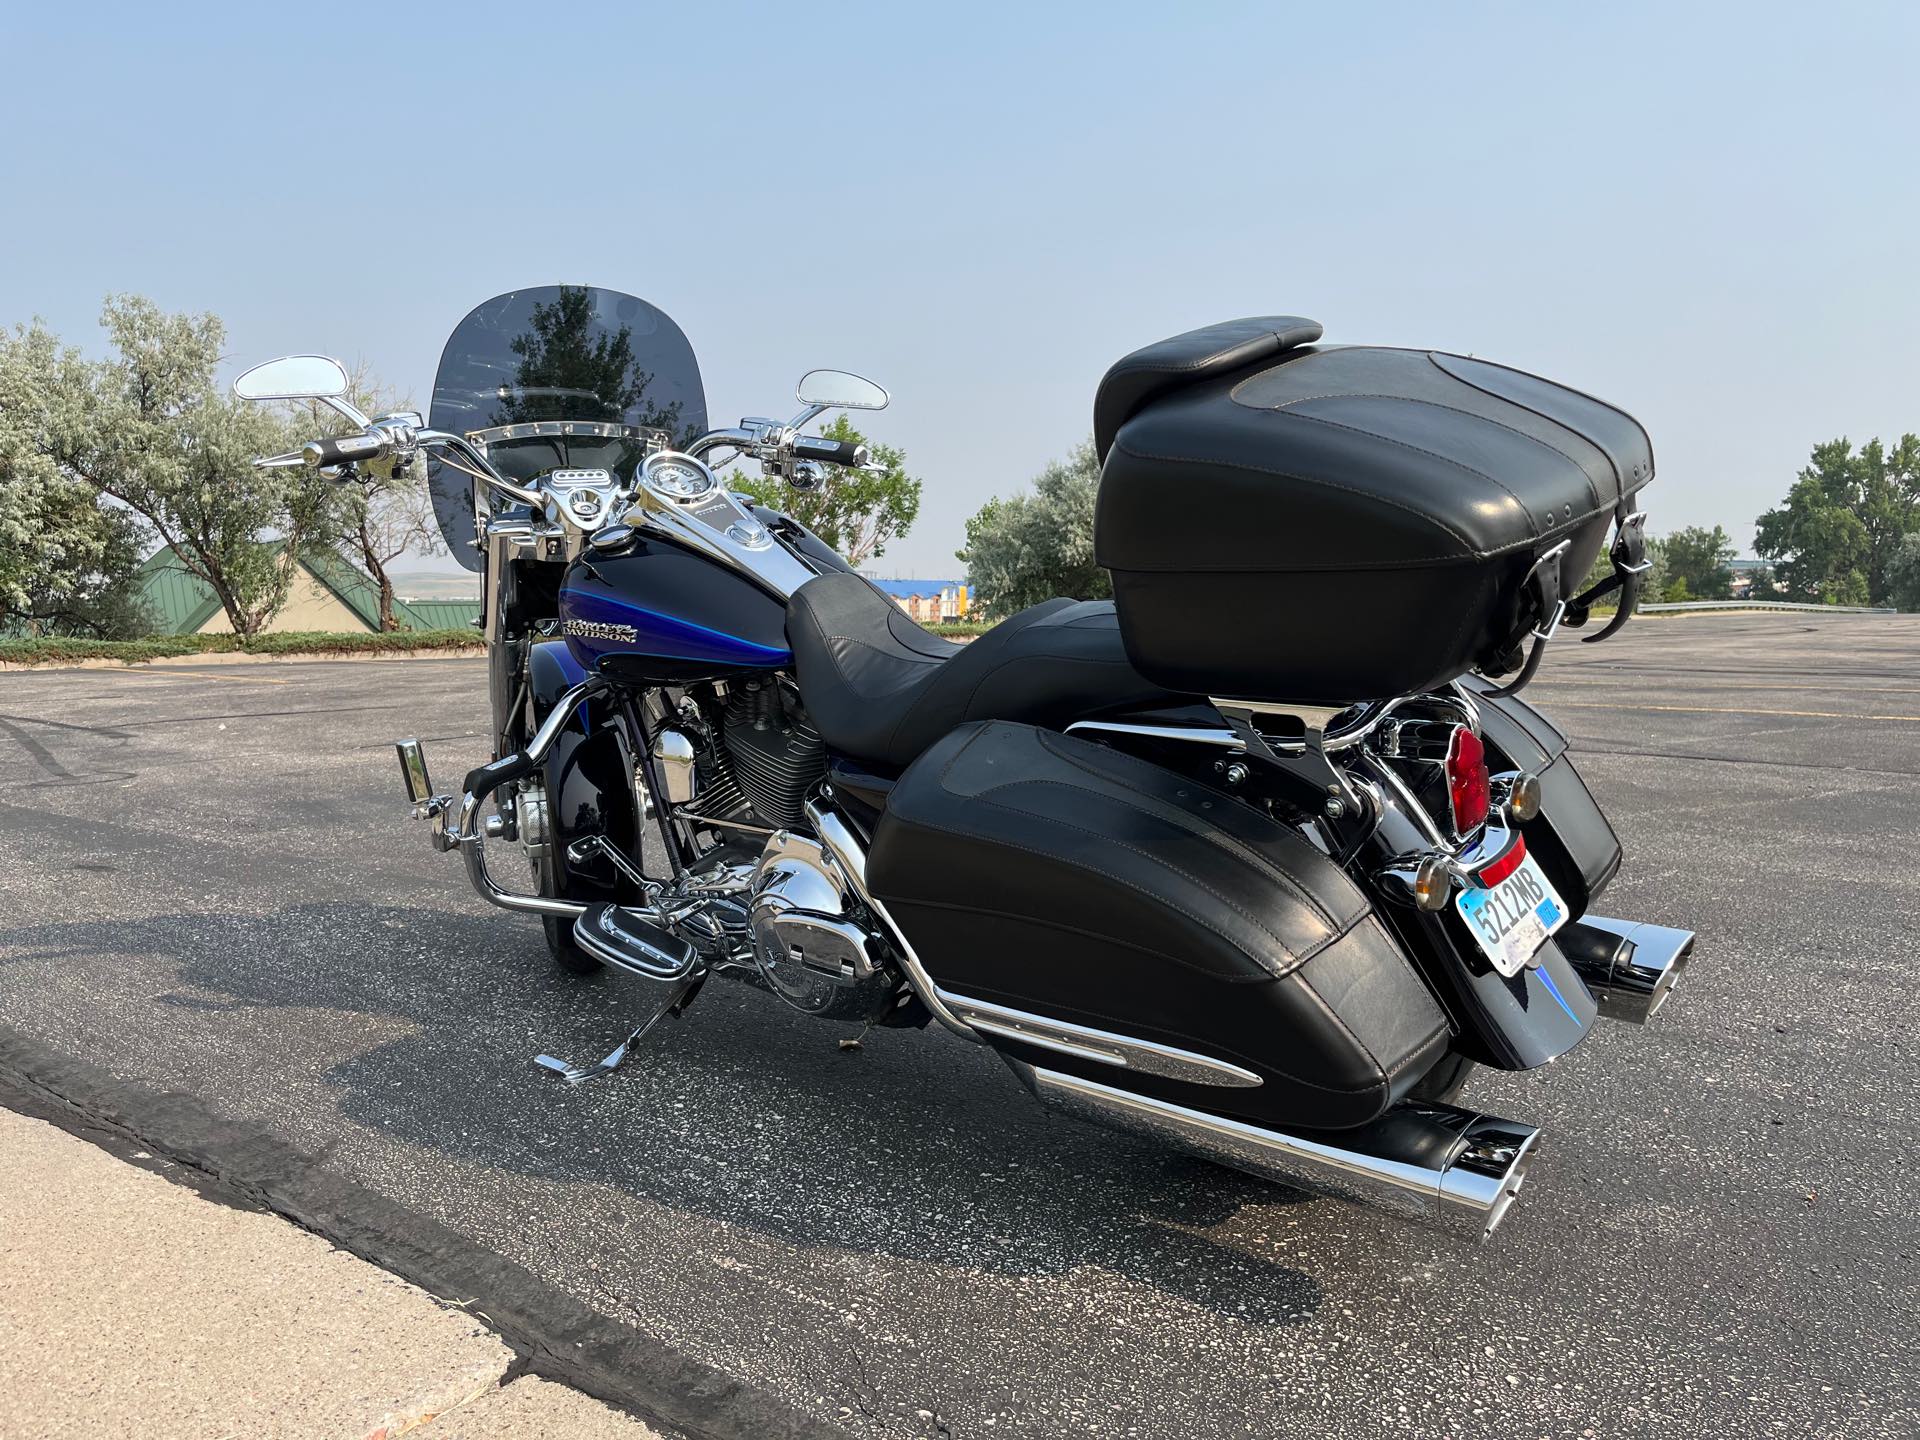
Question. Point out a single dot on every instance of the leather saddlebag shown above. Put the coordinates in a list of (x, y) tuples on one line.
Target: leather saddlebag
[(1047, 875)]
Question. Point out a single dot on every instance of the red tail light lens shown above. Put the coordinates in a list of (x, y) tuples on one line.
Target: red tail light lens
[(1467, 784)]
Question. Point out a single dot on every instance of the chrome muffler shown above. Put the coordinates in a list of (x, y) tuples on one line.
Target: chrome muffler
[(1453, 1168), (1631, 967)]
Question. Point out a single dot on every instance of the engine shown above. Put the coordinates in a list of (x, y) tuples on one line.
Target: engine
[(810, 938), (772, 750), (812, 941)]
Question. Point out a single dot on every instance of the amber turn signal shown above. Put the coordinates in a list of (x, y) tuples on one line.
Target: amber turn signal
[(1523, 798), (1433, 883)]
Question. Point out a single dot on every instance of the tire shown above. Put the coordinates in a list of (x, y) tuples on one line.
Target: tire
[(567, 953), (558, 929), (1445, 1081)]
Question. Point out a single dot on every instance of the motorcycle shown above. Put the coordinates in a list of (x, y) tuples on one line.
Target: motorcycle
[(1260, 858)]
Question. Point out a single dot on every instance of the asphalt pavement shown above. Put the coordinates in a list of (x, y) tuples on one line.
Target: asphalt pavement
[(208, 884)]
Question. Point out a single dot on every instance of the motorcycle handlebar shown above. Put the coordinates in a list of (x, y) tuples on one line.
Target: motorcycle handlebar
[(830, 452), (342, 451)]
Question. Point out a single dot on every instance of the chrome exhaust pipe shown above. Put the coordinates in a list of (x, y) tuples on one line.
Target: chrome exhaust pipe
[(1631, 967), (1424, 1161)]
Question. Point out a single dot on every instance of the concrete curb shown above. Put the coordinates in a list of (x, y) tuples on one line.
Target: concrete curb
[(557, 1336)]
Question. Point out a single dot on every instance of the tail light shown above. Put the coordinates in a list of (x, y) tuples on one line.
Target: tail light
[(1467, 780)]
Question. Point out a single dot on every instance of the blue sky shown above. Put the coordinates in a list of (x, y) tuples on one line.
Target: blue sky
[(1706, 214)]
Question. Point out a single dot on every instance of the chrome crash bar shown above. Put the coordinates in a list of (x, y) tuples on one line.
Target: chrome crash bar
[(467, 833)]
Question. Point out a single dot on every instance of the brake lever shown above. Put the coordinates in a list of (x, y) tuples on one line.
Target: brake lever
[(280, 462)]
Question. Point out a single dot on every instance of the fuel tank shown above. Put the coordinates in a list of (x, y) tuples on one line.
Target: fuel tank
[(658, 613)]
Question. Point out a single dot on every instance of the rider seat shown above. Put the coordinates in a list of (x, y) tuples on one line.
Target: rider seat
[(881, 689)]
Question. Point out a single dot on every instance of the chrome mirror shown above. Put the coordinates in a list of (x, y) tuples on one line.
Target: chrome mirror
[(294, 377), (838, 390)]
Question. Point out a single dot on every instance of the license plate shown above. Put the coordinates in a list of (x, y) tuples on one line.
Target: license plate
[(1513, 919)]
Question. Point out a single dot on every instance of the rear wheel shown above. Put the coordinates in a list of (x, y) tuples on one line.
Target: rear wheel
[(1445, 1081)]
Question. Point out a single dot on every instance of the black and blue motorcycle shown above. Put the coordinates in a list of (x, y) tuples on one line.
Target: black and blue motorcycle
[(1262, 857)]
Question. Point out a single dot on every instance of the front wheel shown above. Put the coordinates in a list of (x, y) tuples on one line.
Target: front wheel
[(566, 950), (567, 953)]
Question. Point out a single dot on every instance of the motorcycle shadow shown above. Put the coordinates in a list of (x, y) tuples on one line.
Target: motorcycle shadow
[(422, 1026)]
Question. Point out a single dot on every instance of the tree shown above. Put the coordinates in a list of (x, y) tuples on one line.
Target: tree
[(1903, 574), (1697, 557), (569, 362), (67, 560), (1653, 580), (385, 514), (1833, 537), (380, 512), (146, 428), (1029, 548), (857, 512), (1889, 481), (1819, 544)]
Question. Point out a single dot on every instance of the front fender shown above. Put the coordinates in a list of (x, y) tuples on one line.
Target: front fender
[(588, 780)]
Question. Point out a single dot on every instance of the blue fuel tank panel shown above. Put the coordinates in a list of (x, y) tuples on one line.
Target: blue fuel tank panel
[(659, 613)]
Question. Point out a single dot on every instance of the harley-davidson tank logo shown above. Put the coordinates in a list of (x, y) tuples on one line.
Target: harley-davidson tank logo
[(600, 630)]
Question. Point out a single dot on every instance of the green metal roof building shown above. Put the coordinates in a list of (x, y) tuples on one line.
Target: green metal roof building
[(328, 594)]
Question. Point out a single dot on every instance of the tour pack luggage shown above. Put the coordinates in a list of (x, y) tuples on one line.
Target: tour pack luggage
[(1293, 522)]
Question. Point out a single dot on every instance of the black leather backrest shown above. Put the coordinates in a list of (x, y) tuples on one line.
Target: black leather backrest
[(1183, 359)]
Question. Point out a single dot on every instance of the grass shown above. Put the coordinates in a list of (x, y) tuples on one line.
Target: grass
[(960, 629), (25, 650)]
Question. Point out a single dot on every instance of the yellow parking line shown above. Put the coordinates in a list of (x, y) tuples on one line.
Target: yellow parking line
[(1620, 681), (1730, 710)]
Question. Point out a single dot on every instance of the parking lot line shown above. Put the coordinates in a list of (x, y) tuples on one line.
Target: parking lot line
[(1782, 688), (1734, 710), (251, 677)]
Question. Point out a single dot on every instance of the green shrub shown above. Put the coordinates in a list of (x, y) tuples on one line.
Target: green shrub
[(23, 650)]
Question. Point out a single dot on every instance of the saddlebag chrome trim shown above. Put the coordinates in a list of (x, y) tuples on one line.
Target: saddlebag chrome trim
[(1180, 734), (1103, 1046), (1423, 1161)]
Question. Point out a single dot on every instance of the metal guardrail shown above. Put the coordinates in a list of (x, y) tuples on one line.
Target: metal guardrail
[(1768, 605)]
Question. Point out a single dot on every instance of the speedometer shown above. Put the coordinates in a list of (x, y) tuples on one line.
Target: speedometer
[(676, 477)]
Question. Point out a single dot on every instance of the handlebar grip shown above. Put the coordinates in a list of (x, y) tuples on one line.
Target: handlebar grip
[(831, 452), (342, 451)]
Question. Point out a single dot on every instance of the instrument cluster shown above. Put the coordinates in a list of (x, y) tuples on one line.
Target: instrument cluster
[(584, 497), (676, 478)]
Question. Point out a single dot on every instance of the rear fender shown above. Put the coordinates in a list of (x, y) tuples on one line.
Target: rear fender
[(1514, 1023), (1570, 837)]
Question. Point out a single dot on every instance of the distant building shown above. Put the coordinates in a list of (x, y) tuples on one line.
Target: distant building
[(328, 594), (1748, 573), (928, 601)]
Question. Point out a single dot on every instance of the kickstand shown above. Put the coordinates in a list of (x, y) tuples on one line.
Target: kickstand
[(580, 1074)]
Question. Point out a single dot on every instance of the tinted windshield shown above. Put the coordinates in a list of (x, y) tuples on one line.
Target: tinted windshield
[(560, 375)]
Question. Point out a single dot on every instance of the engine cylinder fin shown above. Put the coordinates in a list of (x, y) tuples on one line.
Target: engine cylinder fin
[(773, 751)]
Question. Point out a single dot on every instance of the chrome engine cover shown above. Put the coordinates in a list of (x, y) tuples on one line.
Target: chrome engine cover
[(809, 940)]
